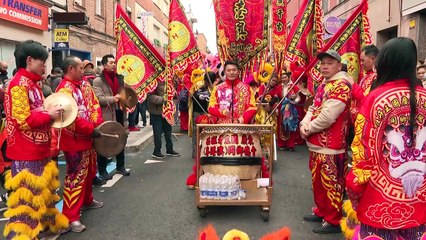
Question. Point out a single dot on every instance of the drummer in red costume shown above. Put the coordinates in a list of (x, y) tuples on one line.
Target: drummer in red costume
[(361, 90), (324, 127), (387, 184), (77, 144), (232, 101)]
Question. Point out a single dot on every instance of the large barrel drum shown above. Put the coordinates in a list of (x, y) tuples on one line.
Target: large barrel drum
[(231, 150)]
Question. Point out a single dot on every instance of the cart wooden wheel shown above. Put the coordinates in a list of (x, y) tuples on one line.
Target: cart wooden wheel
[(202, 211), (265, 214)]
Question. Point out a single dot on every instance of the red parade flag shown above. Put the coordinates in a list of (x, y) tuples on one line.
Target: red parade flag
[(242, 30), (304, 40), (279, 11), (183, 54), (137, 60), (348, 41)]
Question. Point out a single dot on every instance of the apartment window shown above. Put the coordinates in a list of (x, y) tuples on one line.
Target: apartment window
[(157, 32), (165, 38), (99, 7)]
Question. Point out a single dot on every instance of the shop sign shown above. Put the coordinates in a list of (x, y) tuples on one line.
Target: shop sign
[(25, 12), (61, 35)]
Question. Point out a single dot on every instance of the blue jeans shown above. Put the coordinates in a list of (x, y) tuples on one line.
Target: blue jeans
[(159, 126), (134, 116)]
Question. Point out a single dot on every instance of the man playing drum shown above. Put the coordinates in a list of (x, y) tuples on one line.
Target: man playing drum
[(77, 143), (106, 88), (33, 177), (232, 101)]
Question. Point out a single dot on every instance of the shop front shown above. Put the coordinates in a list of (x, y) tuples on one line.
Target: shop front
[(19, 21)]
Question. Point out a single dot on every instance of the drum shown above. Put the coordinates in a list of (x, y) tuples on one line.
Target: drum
[(233, 150), (113, 139)]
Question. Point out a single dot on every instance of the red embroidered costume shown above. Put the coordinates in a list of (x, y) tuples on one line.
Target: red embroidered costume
[(360, 91), (236, 98), (33, 180), (387, 184), (77, 144), (326, 121)]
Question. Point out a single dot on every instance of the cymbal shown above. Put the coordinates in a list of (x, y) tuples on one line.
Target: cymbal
[(128, 98), (68, 103)]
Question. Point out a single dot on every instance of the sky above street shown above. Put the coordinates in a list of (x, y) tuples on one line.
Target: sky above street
[(203, 10)]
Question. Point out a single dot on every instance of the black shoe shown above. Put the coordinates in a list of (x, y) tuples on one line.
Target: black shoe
[(172, 153), (123, 171), (98, 181), (312, 218), (291, 149), (105, 176), (327, 228), (158, 156)]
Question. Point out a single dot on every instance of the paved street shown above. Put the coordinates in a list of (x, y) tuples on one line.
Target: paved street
[(153, 203)]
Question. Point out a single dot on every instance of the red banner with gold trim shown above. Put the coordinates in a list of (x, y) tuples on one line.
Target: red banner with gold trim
[(305, 37), (348, 41), (279, 32), (183, 54), (137, 60), (242, 30)]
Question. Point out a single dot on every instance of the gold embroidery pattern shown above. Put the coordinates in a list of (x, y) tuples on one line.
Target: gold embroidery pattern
[(20, 106)]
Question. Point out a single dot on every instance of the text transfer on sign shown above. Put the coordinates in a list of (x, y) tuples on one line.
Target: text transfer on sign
[(25, 12)]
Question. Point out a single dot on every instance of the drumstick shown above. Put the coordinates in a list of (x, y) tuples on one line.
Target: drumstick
[(110, 135)]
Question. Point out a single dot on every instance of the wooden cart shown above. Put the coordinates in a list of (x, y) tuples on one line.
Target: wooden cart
[(255, 196)]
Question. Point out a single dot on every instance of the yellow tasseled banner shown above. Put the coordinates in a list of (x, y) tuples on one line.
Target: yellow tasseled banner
[(351, 217)]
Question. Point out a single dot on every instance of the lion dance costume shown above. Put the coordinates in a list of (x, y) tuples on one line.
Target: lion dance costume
[(387, 184), (33, 178)]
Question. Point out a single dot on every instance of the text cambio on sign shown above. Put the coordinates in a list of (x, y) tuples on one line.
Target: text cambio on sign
[(25, 12)]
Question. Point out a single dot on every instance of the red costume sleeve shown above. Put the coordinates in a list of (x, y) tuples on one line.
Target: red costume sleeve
[(83, 127), (251, 108), (21, 112), (357, 92)]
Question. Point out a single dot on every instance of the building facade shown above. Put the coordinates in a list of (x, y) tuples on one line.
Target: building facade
[(202, 43), (388, 18), (17, 24), (152, 18)]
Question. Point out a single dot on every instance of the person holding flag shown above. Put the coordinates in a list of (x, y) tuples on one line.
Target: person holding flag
[(324, 128)]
